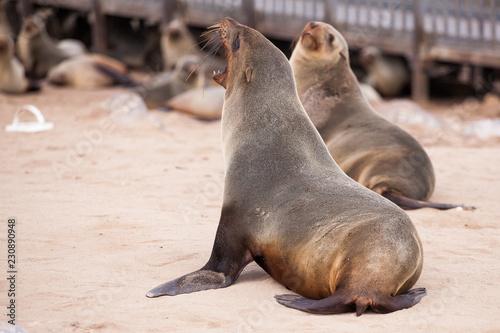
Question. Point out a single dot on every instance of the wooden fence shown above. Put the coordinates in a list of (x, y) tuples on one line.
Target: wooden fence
[(456, 31)]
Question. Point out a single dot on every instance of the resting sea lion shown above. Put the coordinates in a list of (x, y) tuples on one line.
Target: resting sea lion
[(12, 78), (289, 207), (203, 103), (389, 75), (89, 71), (166, 85), (38, 52), (371, 150)]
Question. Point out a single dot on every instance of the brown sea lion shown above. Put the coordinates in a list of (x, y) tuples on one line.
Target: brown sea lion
[(12, 78), (388, 75), (177, 41), (289, 207), (162, 87), (89, 71), (203, 103), (38, 52), (371, 150)]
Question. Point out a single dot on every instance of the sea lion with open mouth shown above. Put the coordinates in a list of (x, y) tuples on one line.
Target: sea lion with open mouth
[(289, 207)]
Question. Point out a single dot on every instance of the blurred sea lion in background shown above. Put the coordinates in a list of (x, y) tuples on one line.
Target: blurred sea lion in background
[(203, 103), (166, 85), (38, 52), (177, 41), (12, 76), (89, 71), (388, 75), (371, 150)]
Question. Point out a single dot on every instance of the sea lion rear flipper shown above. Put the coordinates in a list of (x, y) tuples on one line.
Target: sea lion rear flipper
[(228, 259), (339, 303), (408, 203), (119, 77), (399, 302)]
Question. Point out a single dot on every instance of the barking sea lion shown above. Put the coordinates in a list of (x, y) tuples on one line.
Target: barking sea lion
[(289, 207)]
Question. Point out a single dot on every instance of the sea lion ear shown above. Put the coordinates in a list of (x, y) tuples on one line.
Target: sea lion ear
[(248, 74), (343, 55)]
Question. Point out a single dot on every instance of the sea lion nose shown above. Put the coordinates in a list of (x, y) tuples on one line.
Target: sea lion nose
[(313, 24)]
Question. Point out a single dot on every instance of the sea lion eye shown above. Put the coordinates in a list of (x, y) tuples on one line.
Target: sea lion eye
[(237, 43), (331, 38)]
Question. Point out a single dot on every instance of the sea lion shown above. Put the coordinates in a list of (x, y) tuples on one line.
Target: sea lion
[(164, 86), (12, 78), (388, 75), (38, 52), (89, 71), (371, 150), (289, 207), (177, 41), (203, 103)]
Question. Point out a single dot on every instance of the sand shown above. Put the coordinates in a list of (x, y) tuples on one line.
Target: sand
[(105, 211)]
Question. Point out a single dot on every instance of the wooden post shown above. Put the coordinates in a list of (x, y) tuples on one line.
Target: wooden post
[(169, 9), (99, 31), (419, 84), (25, 8), (249, 10)]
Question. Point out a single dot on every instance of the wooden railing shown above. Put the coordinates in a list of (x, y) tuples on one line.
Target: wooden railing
[(460, 31)]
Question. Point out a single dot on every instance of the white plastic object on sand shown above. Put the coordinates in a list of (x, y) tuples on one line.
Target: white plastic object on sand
[(29, 127)]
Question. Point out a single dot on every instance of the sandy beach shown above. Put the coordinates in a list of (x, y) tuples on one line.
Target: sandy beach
[(106, 210)]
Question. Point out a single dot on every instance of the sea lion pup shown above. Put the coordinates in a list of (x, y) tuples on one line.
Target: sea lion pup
[(388, 75), (12, 79), (371, 150), (89, 71), (166, 85), (289, 207), (38, 52)]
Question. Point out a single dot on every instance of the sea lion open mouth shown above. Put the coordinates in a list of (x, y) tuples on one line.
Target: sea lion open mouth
[(221, 29)]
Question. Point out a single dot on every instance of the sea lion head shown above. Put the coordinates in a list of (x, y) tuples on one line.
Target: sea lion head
[(32, 27), (188, 69), (251, 60), (175, 30), (369, 55), (321, 42)]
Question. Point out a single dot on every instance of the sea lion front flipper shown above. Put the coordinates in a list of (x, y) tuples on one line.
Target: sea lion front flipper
[(409, 203), (229, 257), (195, 281)]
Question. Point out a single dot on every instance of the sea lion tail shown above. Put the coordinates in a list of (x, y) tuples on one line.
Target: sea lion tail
[(120, 78), (409, 203)]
